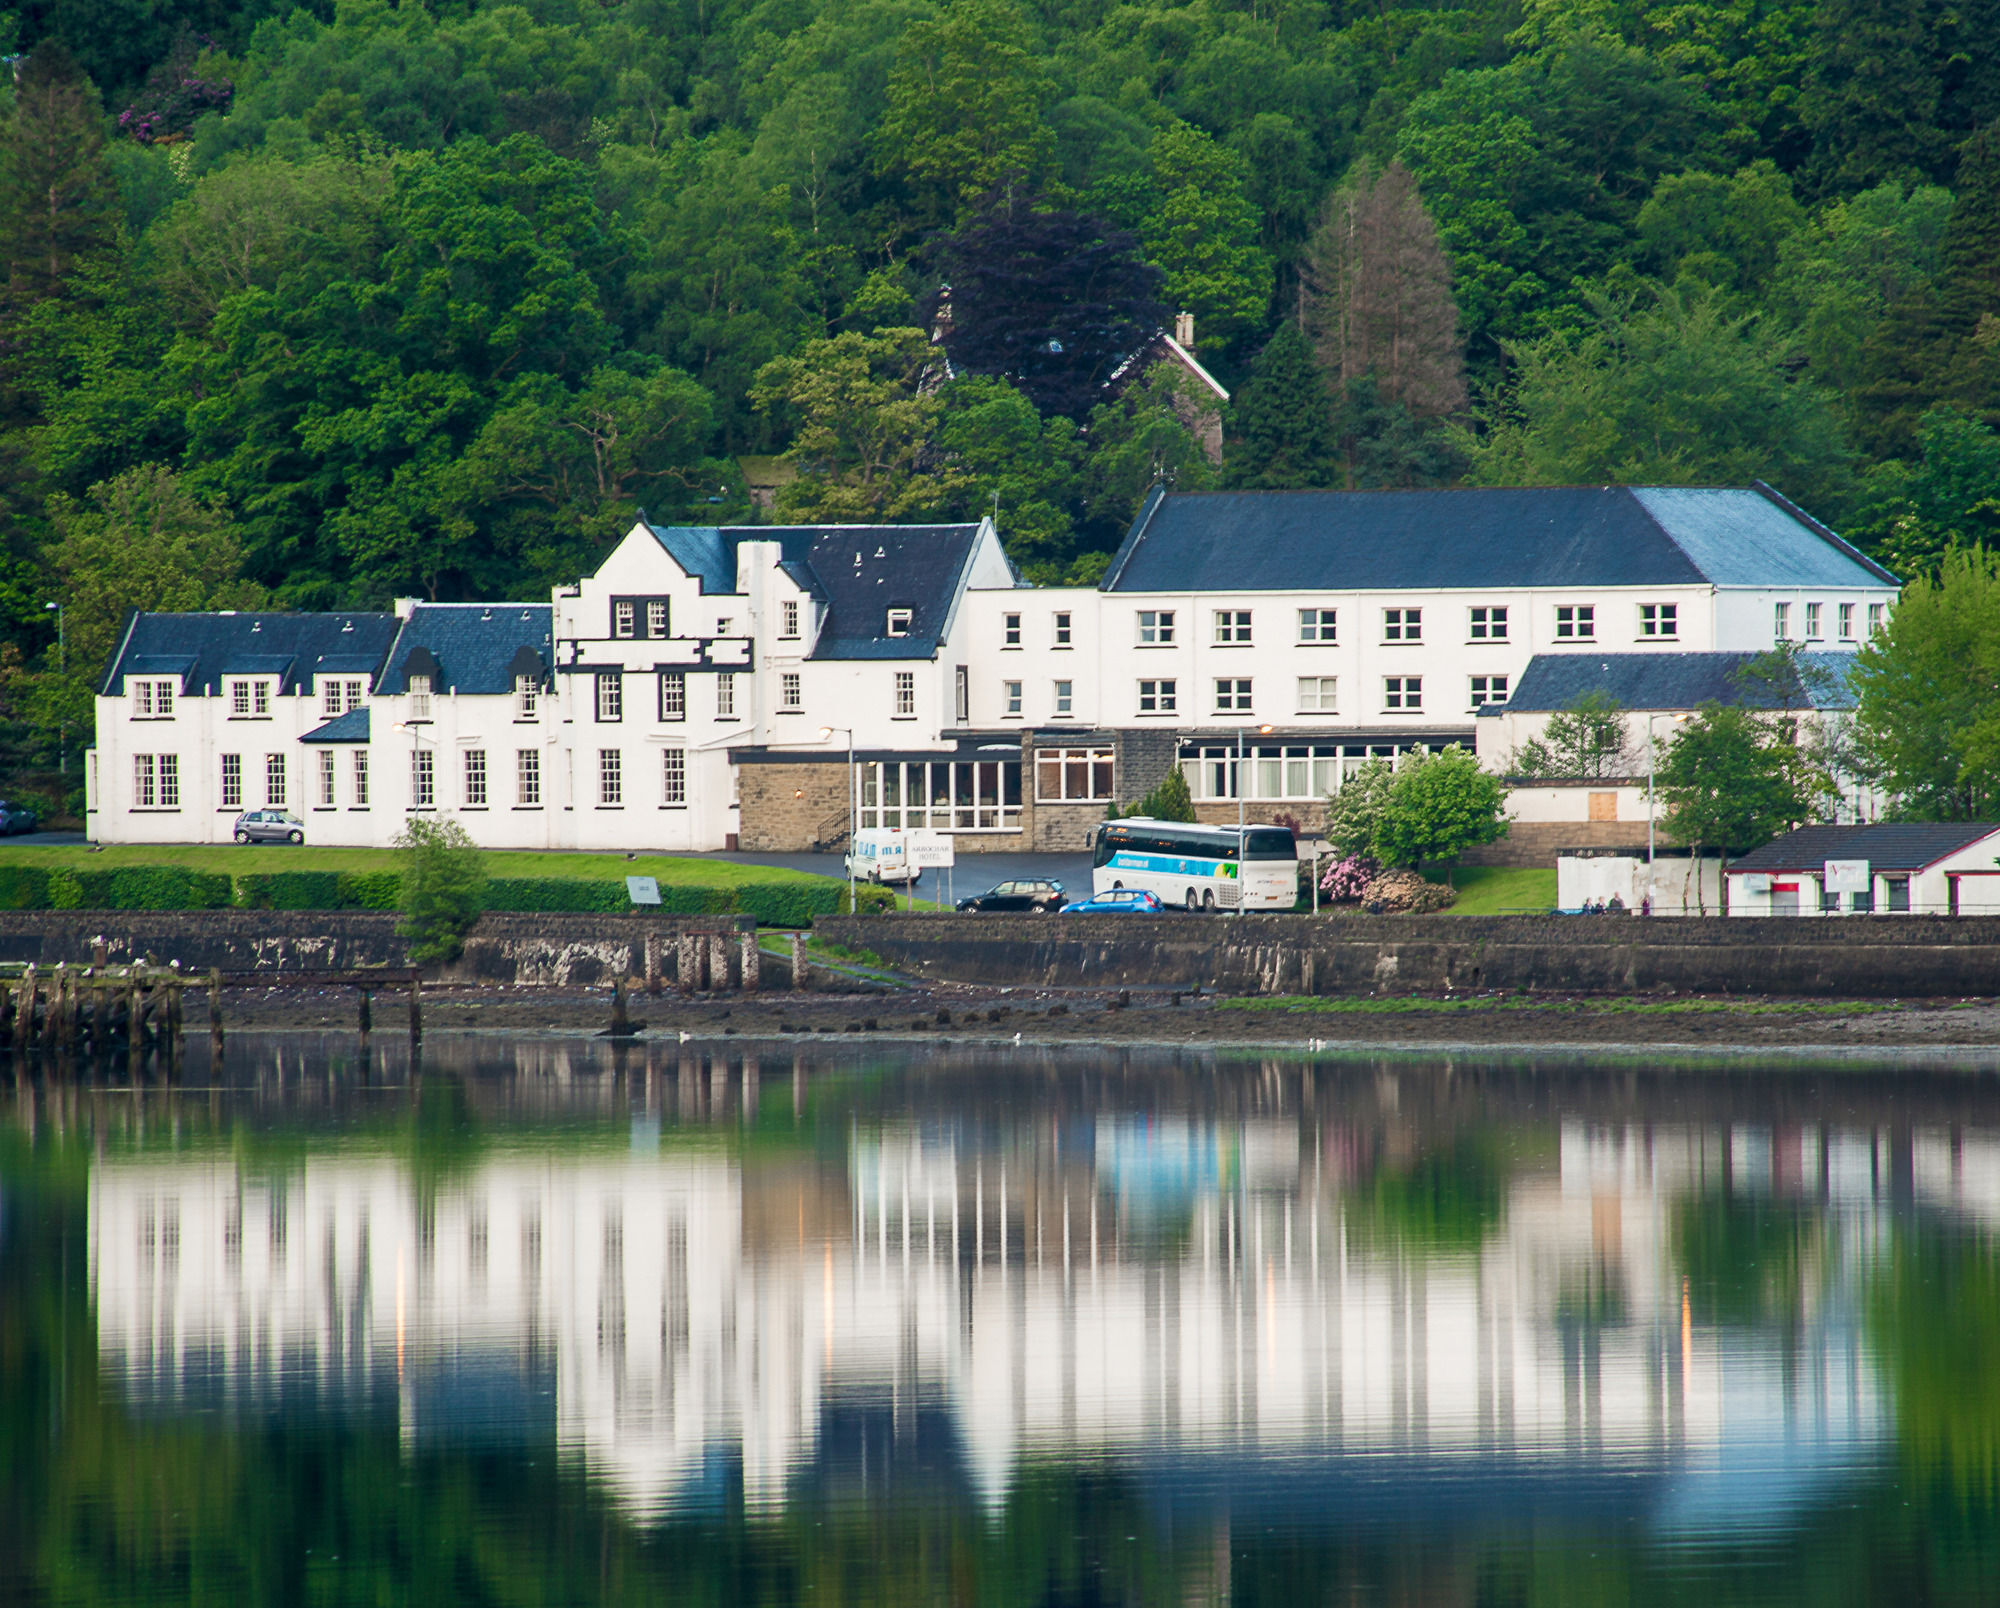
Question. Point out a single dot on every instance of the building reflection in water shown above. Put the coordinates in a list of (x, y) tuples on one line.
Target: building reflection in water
[(1210, 1300)]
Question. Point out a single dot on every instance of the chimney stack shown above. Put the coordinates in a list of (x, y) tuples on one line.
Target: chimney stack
[(1184, 329)]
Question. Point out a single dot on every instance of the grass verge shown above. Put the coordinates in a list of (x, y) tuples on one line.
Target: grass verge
[(234, 860), (1502, 890)]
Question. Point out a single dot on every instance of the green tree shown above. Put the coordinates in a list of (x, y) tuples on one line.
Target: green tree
[(1170, 801), (1200, 227), (998, 456), (1733, 779), (1282, 429), (862, 418), (1722, 232), (966, 98), (444, 888), (1679, 392), (58, 204), (1949, 498), (1140, 439), (1354, 812), (145, 540), (1927, 717), (1589, 738), (1439, 806)]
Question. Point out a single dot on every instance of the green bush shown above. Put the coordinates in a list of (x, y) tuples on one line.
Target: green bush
[(367, 890), (138, 887), (289, 890), (24, 887), (444, 888), (567, 894), (792, 904)]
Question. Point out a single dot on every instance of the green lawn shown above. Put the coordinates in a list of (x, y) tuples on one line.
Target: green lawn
[(1498, 890), (237, 861)]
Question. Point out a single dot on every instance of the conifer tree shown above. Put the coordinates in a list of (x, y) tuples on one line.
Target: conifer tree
[(1381, 289), (1284, 431), (58, 204)]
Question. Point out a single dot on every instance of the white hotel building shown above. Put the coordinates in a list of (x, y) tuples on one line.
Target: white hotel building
[(677, 699)]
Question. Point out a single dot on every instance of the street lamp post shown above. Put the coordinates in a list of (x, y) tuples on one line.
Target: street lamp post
[(62, 663), (853, 806), (1651, 797), (1262, 731)]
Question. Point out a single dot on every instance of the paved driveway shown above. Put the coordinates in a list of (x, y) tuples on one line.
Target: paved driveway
[(974, 873)]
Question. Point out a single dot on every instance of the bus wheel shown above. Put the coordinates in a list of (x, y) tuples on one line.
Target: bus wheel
[(1117, 884), (1208, 901), (1192, 906)]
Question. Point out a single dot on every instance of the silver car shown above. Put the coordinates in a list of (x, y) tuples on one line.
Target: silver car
[(269, 826)]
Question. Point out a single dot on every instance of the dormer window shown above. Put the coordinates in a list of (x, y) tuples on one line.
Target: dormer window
[(420, 697), (899, 622), (152, 700), (526, 696), (332, 698), (249, 700)]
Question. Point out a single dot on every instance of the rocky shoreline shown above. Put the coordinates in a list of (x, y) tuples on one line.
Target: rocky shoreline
[(1048, 1016)]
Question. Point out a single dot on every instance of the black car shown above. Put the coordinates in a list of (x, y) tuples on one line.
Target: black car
[(16, 818), (1027, 893)]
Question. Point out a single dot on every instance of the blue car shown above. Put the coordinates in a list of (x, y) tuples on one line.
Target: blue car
[(1117, 902)]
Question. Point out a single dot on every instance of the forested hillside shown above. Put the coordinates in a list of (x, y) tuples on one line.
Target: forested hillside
[(325, 305)]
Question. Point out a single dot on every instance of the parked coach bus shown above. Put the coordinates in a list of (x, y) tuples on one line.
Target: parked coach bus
[(1199, 867)]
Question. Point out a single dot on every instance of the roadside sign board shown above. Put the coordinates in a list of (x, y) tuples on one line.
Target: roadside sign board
[(1846, 876), (643, 890), (930, 851)]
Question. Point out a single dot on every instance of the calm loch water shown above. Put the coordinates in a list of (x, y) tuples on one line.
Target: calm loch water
[(541, 1322)]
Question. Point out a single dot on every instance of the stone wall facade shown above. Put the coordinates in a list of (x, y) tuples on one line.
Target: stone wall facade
[(1856, 957), (791, 808)]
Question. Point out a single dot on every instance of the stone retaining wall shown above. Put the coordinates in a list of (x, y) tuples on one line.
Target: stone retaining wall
[(1847, 957), (563, 949)]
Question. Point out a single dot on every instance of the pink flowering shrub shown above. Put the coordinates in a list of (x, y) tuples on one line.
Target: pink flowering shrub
[(1345, 880)]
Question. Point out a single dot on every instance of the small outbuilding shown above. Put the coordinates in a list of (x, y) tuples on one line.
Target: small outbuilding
[(1891, 868), (1668, 882)]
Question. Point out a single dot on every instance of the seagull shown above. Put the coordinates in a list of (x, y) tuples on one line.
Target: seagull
[(685, 1036), (1017, 1038)]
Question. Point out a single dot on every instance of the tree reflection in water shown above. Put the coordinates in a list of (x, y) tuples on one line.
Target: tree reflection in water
[(1208, 1331)]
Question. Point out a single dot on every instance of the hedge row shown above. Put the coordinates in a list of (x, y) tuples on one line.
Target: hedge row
[(790, 903)]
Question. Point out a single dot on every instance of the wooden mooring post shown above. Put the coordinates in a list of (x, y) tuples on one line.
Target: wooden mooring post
[(416, 1009), (215, 1016)]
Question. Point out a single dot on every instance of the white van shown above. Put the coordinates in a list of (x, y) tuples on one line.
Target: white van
[(880, 856)]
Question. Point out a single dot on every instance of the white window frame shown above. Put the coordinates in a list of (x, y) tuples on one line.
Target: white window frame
[(527, 778), (1155, 627), (897, 622), (230, 782), (420, 697), (1660, 622), (1815, 622), (1844, 617), (725, 695), (1238, 699), (145, 782), (360, 780), (327, 767), (332, 698), (1486, 622), (1319, 695), (1010, 632), (1232, 628), (610, 697), (1075, 775), (1319, 627), (673, 694), (1010, 697), (791, 692), (624, 619), (1159, 695), (673, 779), (1062, 628), (1781, 622), (1483, 690), (1878, 616), (275, 782), (656, 617), (1402, 625), (788, 619), (905, 705), (1576, 622), (527, 698), (423, 778), (475, 778), (610, 778), (1402, 695), (1062, 701)]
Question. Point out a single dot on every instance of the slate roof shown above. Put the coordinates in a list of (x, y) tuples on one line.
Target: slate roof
[(473, 643), (1675, 681), (859, 573), (1886, 846), (351, 727), (203, 648), (1287, 541)]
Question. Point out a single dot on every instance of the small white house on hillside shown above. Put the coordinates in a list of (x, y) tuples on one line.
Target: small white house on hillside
[(1891, 868)]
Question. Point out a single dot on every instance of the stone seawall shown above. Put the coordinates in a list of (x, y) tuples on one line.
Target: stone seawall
[(1857, 957), (563, 949)]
